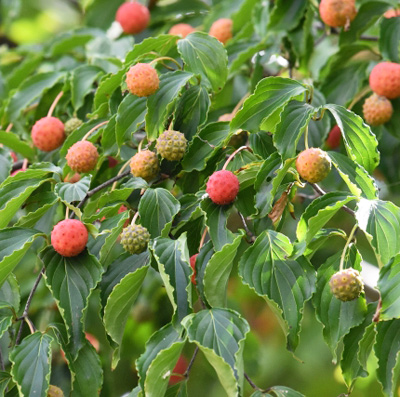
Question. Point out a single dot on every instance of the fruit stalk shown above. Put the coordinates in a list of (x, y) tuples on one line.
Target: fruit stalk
[(349, 240), (54, 104)]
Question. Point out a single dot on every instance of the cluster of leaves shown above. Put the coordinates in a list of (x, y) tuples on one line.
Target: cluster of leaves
[(90, 67)]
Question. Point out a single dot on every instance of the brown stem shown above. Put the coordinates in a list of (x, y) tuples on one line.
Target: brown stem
[(54, 104), (377, 314), (186, 374), (94, 129), (251, 383), (234, 154)]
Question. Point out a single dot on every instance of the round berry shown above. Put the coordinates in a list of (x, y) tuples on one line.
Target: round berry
[(48, 133), (222, 187), (336, 13), (221, 29), (69, 237), (313, 165), (181, 29), (142, 80), (135, 238), (377, 110), (384, 79), (171, 145), (133, 17), (145, 165), (72, 124), (334, 138), (193, 266), (346, 285), (54, 391), (82, 156)]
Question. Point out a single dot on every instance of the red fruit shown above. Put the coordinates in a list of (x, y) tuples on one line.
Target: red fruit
[(221, 29), (336, 13), (72, 178), (82, 156), (377, 110), (133, 17), (69, 237), (179, 368), (112, 162), (393, 13), (334, 138), (313, 165), (193, 265), (222, 187), (142, 80), (48, 133), (181, 29), (385, 79)]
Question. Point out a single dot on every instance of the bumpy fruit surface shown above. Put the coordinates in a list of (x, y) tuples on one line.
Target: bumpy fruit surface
[(221, 29), (69, 237), (222, 187), (48, 133), (336, 13), (72, 124), (82, 156), (182, 30), (171, 145), (142, 80), (54, 391), (313, 165), (385, 79), (393, 13), (193, 266), (134, 238), (334, 138), (144, 164), (133, 17), (377, 110), (346, 285)]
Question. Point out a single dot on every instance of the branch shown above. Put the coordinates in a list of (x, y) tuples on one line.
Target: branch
[(186, 374), (251, 383), (90, 193)]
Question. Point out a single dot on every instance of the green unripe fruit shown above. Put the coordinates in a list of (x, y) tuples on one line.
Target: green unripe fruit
[(55, 391), (313, 165), (145, 165), (71, 125), (346, 285), (134, 238), (171, 145)]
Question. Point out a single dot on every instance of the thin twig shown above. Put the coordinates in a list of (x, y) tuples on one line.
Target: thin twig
[(377, 314), (3, 368), (251, 383), (90, 193), (249, 233), (186, 374)]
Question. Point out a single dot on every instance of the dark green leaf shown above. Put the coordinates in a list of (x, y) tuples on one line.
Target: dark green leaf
[(389, 38), (70, 192), (286, 14)]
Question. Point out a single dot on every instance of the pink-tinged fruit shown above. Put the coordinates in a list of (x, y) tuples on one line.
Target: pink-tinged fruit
[(384, 79), (377, 110), (221, 29), (193, 266), (334, 138), (336, 13), (48, 133), (133, 17), (313, 165), (112, 162), (72, 178), (142, 80), (181, 29), (82, 156), (180, 368), (69, 237), (222, 187), (145, 165), (393, 13)]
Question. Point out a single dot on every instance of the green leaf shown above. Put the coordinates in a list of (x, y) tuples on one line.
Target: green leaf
[(71, 281), (24, 69), (31, 365), (217, 272), (361, 144), (172, 257), (13, 142), (205, 145), (319, 212), (10, 301), (5, 164), (67, 41), (358, 344), (206, 56), (220, 334), (287, 14), (294, 121), (380, 220), (82, 79), (192, 111), (14, 242), (389, 38), (5, 378), (13, 193), (29, 90), (286, 284), (157, 209), (130, 114), (70, 192), (359, 182), (155, 365), (159, 105), (337, 317), (278, 391), (108, 84), (387, 349), (270, 95)]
